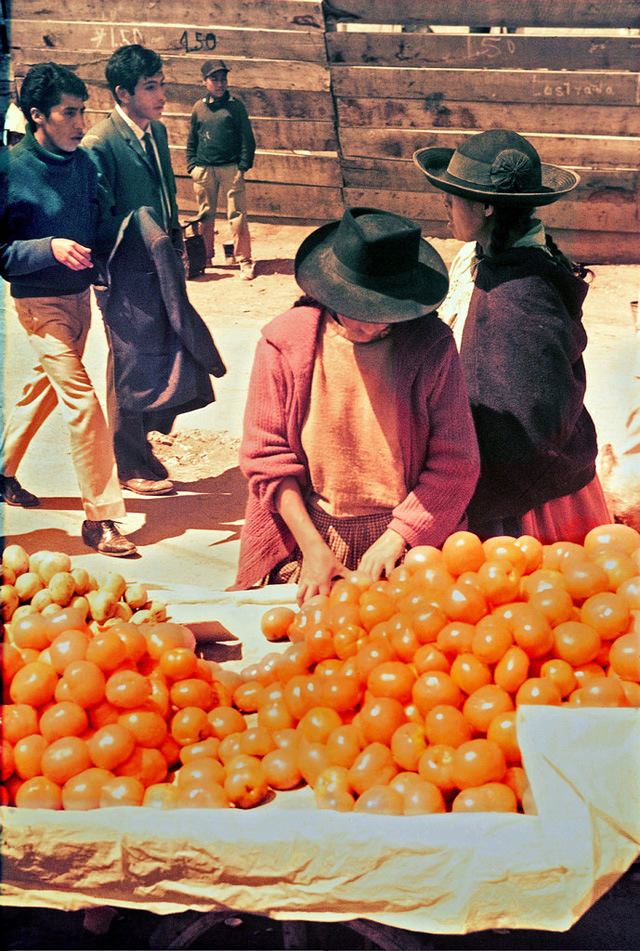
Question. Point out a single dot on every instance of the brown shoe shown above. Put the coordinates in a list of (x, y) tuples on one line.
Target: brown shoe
[(106, 539), (147, 486)]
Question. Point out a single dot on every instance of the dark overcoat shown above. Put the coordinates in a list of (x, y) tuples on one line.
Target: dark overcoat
[(163, 352)]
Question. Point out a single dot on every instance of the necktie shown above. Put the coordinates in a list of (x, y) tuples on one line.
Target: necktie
[(151, 155)]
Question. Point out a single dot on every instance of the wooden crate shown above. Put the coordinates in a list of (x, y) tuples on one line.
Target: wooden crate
[(341, 94)]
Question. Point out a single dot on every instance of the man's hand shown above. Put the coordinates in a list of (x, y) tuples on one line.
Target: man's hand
[(73, 255), (237, 178), (382, 556)]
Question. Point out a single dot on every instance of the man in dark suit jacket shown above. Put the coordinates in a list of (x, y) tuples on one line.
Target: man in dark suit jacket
[(131, 151)]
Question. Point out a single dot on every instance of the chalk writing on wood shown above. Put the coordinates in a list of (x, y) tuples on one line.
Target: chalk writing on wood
[(109, 37)]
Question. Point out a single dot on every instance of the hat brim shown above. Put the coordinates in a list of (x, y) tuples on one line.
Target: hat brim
[(387, 300), (556, 181)]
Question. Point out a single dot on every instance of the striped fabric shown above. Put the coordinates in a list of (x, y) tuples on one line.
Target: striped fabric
[(348, 538)]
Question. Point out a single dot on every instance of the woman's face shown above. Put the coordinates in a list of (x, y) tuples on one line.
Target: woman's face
[(468, 220), (357, 331)]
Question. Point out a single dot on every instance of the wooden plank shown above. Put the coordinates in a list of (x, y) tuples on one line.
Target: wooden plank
[(604, 151), (592, 215), (489, 85), (570, 13), (301, 202), (271, 103), (438, 112), (282, 168), (377, 173), (280, 74), (262, 14), (464, 51), (203, 39)]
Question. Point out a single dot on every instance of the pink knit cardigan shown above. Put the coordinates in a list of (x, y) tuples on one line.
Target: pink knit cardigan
[(439, 447)]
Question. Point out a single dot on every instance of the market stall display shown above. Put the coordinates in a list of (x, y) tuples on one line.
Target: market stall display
[(400, 681)]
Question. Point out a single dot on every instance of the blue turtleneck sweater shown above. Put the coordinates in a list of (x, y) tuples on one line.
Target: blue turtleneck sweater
[(45, 196)]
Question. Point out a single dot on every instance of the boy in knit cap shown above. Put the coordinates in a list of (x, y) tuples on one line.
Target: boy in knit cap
[(220, 149)]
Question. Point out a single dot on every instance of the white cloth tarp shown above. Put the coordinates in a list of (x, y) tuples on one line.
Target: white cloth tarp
[(440, 874)]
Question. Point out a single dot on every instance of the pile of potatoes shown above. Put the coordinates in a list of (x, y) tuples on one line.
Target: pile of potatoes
[(46, 581)]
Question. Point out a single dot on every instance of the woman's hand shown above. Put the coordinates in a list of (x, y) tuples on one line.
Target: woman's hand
[(319, 567), (381, 557)]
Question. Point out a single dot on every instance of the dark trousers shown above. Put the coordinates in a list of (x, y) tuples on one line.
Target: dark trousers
[(131, 446)]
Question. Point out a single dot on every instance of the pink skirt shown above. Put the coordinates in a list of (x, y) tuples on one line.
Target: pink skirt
[(570, 517)]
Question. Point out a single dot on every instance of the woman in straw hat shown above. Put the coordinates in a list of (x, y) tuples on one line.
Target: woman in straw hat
[(516, 311), (358, 439)]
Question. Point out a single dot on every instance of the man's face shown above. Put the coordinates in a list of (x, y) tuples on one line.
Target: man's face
[(147, 101), (62, 130), (216, 83)]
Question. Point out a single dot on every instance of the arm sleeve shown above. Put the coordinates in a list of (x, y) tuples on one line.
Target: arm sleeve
[(435, 506), (19, 256), (108, 222), (266, 456), (248, 145), (192, 142)]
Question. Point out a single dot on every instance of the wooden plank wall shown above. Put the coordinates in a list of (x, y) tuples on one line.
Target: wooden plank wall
[(340, 95)]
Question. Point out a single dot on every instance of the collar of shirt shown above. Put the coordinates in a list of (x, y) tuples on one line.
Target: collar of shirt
[(135, 128)]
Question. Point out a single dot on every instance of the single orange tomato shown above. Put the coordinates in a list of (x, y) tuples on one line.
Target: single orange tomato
[(65, 757), (533, 552), (470, 673), (615, 536), (34, 684), (462, 552), (445, 724), (190, 725), (380, 717), (340, 692), (512, 669), (576, 642), (430, 657), (604, 692), (82, 791), (584, 578), (39, 792), (275, 622), (423, 798), (27, 755), (538, 690), (504, 546), (624, 656), (491, 639), (63, 719), (422, 555), (499, 580), (373, 765), (435, 687), (161, 796), (206, 796), (199, 771), (312, 760), (392, 678), (343, 745), (192, 692), (31, 630), (561, 673), (149, 766), (146, 725), (487, 797), (464, 602), (281, 768), (554, 603), (18, 720), (178, 663), (66, 647), (121, 791), (456, 638), (502, 730), (84, 683), (301, 693), (380, 800), (484, 704), (186, 754), (106, 650), (246, 784), (407, 745), (436, 766), (607, 613), (476, 762), (111, 745)]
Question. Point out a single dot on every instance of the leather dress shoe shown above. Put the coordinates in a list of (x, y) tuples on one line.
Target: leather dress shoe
[(157, 468), (13, 493), (106, 539), (142, 486)]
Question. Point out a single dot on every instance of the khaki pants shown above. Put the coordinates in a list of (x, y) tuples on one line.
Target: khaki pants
[(207, 181), (57, 329)]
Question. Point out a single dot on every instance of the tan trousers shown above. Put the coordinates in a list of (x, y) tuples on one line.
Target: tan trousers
[(207, 181), (57, 329)]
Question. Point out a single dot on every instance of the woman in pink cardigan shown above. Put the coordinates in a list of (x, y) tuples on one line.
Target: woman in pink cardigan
[(358, 439)]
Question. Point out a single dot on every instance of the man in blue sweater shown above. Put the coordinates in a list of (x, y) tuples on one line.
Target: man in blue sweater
[(48, 218)]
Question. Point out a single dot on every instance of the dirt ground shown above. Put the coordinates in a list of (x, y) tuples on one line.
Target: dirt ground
[(189, 542)]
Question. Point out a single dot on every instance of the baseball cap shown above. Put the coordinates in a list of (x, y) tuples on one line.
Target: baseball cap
[(213, 66)]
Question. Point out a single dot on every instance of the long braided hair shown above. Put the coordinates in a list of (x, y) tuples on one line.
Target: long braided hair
[(512, 222)]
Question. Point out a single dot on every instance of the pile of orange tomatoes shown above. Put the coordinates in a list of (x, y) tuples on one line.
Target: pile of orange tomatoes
[(395, 697)]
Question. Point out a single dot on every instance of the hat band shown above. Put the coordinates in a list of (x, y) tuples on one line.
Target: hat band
[(470, 170), (372, 282)]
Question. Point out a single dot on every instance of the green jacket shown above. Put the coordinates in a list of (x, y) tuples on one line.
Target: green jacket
[(220, 134)]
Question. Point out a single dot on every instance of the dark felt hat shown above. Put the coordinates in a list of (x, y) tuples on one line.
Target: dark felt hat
[(213, 66), (496, 166), (372, 266)]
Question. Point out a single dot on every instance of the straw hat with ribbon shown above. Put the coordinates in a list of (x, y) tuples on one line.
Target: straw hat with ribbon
[(372, 266), (496, 166)]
